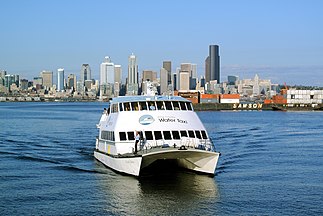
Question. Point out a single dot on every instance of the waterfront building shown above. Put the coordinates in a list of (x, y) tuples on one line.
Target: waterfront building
[(8, 81), (185, 76), (149, 75), (207, 70), (71, 81), (88, 84), (178, 69), (255, 89), (60, 79), (107, 71), (212, 64), (232, 80), (117, 79), (132, 82), (117, 73), (107, 78), (163, 81), (167, 65), (202, 82), (47, 78), (38, 82), (23, 84), (80, 86), (85, 73), (174, 81), (3, 73)]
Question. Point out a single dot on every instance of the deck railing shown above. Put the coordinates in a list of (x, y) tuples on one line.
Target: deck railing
[(193, 143)]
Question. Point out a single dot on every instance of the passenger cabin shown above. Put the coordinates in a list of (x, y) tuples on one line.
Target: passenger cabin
[(162, 122)]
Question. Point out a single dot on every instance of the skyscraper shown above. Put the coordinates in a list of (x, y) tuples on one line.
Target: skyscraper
[(85, 72), (47, 78), (212, 71), (107, 77), (117, 73), (163, 81), (60, 79), (167, 65), (107, 71), (71, 81), (132, 84), (149, 75)]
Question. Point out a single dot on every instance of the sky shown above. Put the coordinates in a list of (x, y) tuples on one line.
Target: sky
[(281, 40)]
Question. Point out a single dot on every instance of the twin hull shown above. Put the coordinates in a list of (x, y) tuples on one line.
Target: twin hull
[(192, 159)]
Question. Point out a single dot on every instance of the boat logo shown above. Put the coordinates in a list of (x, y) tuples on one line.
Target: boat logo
[(146, 119)]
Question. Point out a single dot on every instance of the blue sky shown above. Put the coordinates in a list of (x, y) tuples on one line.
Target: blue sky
[(280, 40)]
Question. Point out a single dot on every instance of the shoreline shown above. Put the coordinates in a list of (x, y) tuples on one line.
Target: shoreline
[(197, 106)]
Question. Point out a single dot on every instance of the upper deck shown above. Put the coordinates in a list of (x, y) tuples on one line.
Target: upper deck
[(151, 103)]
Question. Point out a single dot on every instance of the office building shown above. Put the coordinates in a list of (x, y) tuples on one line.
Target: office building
[(71, 81), (60, 79), (167, 65), (149, 75), (132, 82), (184, 84), (232, 80), (38, 82), (174, 81), (8, 81), (23, 84), (47, 78), (107, 71), (163, 81), (85, 73), (212, 64), (184, 76), (117, 74)]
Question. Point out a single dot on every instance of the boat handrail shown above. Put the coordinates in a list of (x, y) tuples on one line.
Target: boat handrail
[(195, 143)]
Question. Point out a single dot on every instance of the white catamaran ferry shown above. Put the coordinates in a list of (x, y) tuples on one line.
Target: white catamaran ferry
[(169, 129)]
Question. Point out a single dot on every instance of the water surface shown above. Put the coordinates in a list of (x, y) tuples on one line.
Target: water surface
[(271, 164)]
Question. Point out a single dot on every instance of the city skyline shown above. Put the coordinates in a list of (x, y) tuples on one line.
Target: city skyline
[(278, 40)]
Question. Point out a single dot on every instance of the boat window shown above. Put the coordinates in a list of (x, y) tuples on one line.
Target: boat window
[(175, 135), (120, 107), (204, 134), (183, 106), (176, 105), (114, 108), (126, 106), (131, 135), (158, 135), (160, 105), (149, 135), (152, 105), (104, 135), (184, 133), (191, 134), (122, 136), (167, 135), (134, 106), (189, 105), (168, 105), (107, 135), (143, 105), (198, 134)]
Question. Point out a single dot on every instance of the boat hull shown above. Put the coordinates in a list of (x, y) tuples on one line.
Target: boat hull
[(128, 165), (192, 159)]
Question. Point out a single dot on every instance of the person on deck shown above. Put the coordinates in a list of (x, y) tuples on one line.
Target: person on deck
[(137, 139)]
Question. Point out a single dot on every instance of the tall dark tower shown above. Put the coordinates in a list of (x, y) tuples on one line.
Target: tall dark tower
[(214, 64), (168, 66)]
